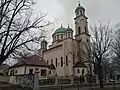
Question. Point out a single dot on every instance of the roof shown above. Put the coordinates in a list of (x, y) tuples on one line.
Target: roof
[(80, 64), (62, 30), (4, 66), (69, 29), (33, 60), (79, 7), (51, 67)]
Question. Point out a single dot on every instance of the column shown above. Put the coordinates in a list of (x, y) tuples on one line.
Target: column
[(36, 81), (85, 77), (97, 80), (72, 79), (56, 79)]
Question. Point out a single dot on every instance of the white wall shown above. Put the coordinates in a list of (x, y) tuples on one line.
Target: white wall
[(39, 69), (58, 52), (21, 69)]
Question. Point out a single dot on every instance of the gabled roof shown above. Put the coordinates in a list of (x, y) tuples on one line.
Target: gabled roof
[(4, 66), (80, 64), (33, 60)]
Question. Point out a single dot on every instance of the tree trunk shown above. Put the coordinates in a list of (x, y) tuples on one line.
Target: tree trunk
[(1, 60), (100, 76)]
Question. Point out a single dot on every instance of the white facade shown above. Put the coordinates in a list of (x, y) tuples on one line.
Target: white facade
[(63, 52)]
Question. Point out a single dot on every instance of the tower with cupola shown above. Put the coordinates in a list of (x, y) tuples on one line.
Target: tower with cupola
[(81, 30), (43, 47)]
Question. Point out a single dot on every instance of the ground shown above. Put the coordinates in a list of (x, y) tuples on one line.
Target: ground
[(68, 87)]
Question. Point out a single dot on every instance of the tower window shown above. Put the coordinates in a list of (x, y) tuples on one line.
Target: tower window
[(66, 60), (85, 30), (57, 37), (61, 36), (79, 30), (56, 62), (77, 13), (81, 12), (68, 34), (61, 61)]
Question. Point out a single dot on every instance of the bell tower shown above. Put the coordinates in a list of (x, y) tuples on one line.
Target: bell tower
[(81, 29)]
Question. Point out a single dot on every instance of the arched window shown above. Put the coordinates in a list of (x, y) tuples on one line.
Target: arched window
[(82, 71), (81, 12), (56, 62), (85, 30), (79, 30), (61, 36), (66, 60), (78, 70), (57, 37), (68, 34), (77, 13), (61, 61)]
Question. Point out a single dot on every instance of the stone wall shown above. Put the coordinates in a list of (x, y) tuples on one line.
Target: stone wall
[(23, 80), (4, 79)]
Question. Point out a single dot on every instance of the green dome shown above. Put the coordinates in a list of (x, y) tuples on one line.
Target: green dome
[(69, 29), (60, 30)]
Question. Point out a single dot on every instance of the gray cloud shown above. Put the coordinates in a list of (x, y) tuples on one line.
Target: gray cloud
[(64, 11), (104, 10)]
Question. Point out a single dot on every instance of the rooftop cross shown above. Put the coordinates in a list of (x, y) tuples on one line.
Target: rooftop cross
[(79, 2), (68, 25), (61, 25)]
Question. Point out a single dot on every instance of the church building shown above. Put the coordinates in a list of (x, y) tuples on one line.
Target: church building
[(66, 55)]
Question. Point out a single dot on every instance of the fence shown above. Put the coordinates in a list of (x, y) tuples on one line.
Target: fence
[(22, 80)]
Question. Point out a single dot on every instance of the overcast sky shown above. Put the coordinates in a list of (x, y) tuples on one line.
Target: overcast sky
[(63, 11)]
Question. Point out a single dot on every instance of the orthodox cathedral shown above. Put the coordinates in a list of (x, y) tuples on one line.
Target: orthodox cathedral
[(65, 55), (66, 58)]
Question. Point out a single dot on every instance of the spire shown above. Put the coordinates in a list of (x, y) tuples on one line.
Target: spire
[(68, 25), (78, 2), (61, 25)]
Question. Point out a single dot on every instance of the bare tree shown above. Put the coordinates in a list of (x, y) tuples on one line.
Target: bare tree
[(116, 45), (98, 47), (18, 27)]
